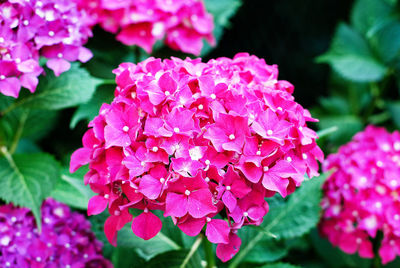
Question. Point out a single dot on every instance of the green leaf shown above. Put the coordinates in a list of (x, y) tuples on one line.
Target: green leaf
[(71, 190), (174, 259), (267, 249), (386, 41), (71, 88), (394, 109), (288, 219), (347, 41), (356, 68), (299, 214), (351, 57), (87, 111), (280, 265), (222, 11), (27, 179), (146, 248), (366, 13)]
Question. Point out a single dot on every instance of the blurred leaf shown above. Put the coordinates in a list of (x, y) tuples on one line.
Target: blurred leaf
[(174, 259), (356, 68), (334, 257), (126, 258), (350, 57), (280, 265), (27, 146), (87, 111), (386, 41), (394, 109), (27, 179), (222, 11), (71, 190), (145, 248), (335, 104), (347, 126), (71, 88), (366, 13)]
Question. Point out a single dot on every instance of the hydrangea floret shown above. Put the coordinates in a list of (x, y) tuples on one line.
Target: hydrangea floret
[(203, 142), (182, 24), (64, 241), (362, 195), (54, 29)]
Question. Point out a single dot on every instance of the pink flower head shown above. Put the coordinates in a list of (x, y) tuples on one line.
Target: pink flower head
[(65, 240), (54, 29), (362, 196), (203, 142), (182, 24)]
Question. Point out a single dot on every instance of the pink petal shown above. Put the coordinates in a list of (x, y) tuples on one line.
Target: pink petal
[(251, 171), (10, 87), (29, 81), (150, 187), (200, 203), (79, 158), (176, 205), (146, 225), (97, 204), (225, 252), (218, 231), (229, 200), (58, 66), (192, 226), (110, 230)]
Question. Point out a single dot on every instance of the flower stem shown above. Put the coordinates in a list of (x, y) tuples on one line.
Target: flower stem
[(208, 250), (193, 249)]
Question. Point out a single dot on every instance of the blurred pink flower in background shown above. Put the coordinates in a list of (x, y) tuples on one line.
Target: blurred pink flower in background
[(362, 196), (54, 29), (64, 241), (182, 24)]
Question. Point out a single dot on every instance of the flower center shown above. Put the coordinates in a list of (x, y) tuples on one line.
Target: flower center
[(232, 137)]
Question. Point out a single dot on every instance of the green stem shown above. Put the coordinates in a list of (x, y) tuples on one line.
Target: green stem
[(18, 133), (375, 99), (209, 252), (376, 263), (193, 249), (108, 82)]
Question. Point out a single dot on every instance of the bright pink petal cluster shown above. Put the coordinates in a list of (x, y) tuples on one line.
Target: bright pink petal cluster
[(54, 29), (183, 23), (362, 196), (203, 142), (65, 239)]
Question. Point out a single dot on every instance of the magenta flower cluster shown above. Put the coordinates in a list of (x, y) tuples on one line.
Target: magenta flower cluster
[(54, 29), (64, 241), (362, 196), (203, 142), (183, 23)]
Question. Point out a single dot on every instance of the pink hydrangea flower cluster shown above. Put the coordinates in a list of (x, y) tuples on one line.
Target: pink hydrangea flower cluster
[(54, 29), (183, 23), (203, 142), (362, 196), (64, 241)]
